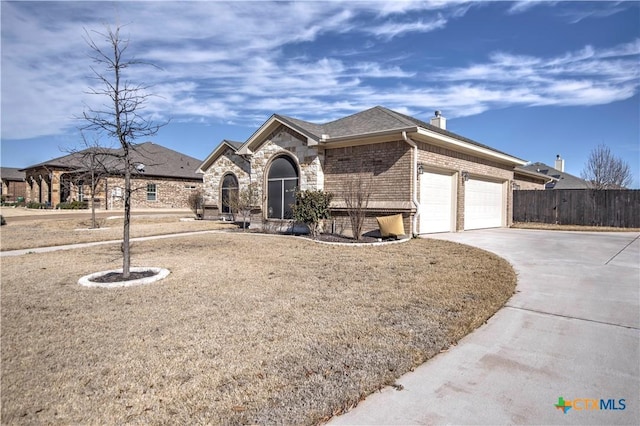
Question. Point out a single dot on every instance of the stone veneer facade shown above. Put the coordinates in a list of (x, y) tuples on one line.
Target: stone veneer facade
[(282, 141)]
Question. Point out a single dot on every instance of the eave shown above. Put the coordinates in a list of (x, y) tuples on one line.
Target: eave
[(434, 138), (214, 156), (542, 177), (365, 138), (269, 126)]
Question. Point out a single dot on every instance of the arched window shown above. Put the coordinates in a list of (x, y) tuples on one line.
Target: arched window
[(282, 184), (229, 192)]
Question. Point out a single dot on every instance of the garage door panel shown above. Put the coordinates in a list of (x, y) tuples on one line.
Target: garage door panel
[(436, 202), (483, 204)]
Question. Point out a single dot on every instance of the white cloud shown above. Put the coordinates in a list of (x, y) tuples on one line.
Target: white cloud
[(233, 62), (521, 6), (588, 76), (390, 30)]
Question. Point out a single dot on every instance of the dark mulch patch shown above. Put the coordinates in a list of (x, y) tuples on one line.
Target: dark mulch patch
[(328, 238), (115, 277)]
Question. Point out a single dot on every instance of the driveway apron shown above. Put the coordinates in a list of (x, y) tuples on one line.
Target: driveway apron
[(570, 331)]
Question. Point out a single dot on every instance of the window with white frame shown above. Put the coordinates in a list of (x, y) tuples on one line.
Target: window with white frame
[(152, 192)]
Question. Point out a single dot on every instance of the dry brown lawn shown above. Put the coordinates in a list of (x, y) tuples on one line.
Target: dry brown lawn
[(50, 232), (246, 329)]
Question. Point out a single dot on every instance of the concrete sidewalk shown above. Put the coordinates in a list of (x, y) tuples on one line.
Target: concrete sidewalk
[(100, 243), (19, 214), (571, 331)]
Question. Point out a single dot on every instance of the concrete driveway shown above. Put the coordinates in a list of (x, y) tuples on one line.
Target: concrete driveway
[(571, 330)]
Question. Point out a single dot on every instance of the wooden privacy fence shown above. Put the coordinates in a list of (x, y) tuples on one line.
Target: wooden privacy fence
[(607, 207)]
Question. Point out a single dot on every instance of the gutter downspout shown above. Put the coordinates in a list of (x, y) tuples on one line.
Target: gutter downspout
[(414, 174)]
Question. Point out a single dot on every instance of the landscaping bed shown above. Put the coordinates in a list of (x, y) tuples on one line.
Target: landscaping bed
[(247, 328)]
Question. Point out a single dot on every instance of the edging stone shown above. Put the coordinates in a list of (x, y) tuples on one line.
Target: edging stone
[(161, 273)]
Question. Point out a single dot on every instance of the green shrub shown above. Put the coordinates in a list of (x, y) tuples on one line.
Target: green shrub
[(73, 205), (310, 208), (35, 205)]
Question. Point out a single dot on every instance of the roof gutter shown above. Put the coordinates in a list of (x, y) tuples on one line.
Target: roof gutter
[(328, 140), (525, 172), (414, 174), (479, 151)]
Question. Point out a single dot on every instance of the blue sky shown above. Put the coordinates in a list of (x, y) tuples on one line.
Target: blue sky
[(533, 79)]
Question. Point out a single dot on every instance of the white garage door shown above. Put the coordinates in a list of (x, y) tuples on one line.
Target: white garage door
[(436, 202), (483, 204)]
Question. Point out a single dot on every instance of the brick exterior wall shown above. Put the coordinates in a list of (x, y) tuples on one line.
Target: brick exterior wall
[(527, 183), (456, 162), (52, 186), (170, 193), (387, 166), (12, 189)]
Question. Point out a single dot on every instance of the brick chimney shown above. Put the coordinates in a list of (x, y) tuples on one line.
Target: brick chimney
[(439, 121), (559, 163)]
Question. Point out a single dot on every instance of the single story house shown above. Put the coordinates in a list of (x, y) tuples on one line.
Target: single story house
[(14, 187), (559, 179), (527, 179), (161, 178), (439, 181)]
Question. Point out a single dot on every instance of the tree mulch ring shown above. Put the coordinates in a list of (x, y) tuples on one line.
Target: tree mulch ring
[(138, 275), (115, 277)]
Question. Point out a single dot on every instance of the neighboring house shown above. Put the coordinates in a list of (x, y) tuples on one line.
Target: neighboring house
[(525, 179), (14, 187), (439, 181), (560, 178), (161, 178)]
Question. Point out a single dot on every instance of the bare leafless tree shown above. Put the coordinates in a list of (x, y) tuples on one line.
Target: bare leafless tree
[(356, 192), (120, 119), (195, 200), (92, 165), (243, 202), (603, 170)]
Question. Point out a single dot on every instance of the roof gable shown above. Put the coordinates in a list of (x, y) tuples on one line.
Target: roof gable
[(373, 120), (216, 153)]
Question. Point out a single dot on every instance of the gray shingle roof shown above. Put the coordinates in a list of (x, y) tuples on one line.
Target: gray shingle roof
[(563, 180), (372, 120), (158, 161), (11, 173), (234, 144)]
